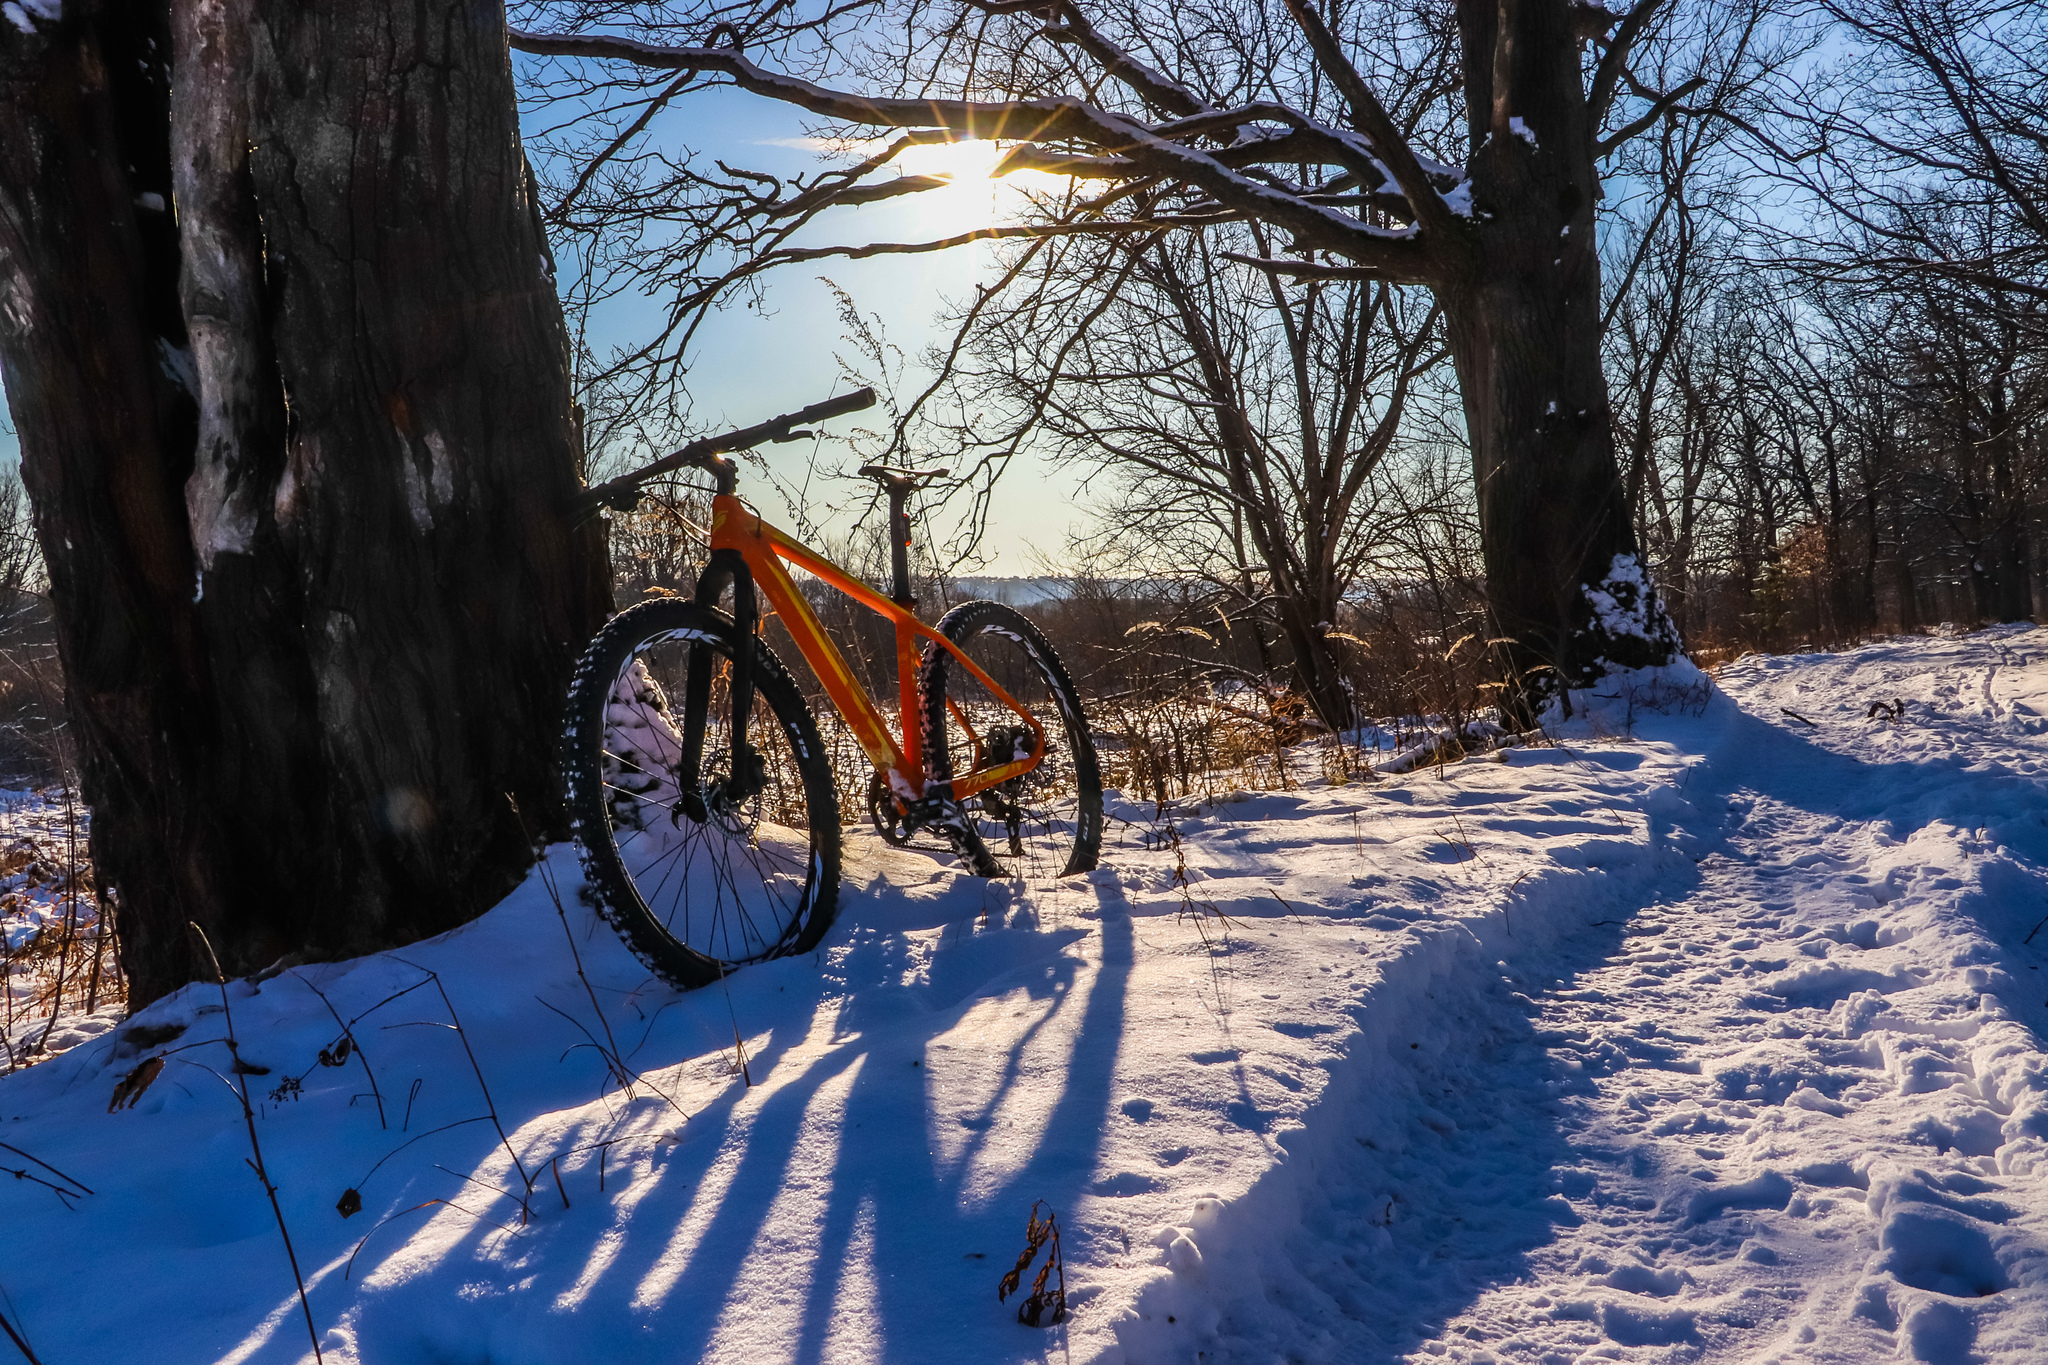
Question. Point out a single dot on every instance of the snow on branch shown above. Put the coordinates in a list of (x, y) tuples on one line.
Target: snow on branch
[(1371, 118)]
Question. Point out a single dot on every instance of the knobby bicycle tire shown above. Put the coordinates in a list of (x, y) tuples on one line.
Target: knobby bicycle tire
[(752, 879), (1048, 822)]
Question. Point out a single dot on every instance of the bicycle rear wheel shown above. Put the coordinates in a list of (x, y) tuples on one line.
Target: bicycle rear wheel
[(701, 870), (1048, 822)]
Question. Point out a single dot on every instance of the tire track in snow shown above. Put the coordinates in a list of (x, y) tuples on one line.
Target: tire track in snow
[(1796, 1113)]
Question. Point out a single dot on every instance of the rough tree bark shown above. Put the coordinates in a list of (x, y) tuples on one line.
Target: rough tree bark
[(296, 425), (1522, 308), (2003, 573)]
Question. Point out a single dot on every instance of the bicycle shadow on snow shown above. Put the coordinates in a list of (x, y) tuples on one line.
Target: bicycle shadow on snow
[(829, 1211)]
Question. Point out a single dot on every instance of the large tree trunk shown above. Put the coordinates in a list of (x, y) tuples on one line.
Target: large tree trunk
[(315, 604), (1306, 623), (1563, 578)]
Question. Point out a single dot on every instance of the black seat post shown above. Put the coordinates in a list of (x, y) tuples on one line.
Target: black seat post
[(900, 483), (899, 544)]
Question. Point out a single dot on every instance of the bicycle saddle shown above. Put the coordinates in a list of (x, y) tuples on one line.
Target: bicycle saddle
[(902, 480)]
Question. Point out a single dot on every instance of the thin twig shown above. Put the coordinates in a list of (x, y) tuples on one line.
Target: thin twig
[(64, 1196), (355, 1045), (481, 1084), (625, 1075), (45, 1165), (417, 1137), (427, 1204), (1285, 906), (20, 1342), (70, 920), (255, 1148)]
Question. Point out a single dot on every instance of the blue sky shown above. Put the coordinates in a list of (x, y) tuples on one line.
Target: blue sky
[(747, 365)]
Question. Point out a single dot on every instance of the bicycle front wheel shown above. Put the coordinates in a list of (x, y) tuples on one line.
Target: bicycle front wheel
[(1048, 822), (701, 868)]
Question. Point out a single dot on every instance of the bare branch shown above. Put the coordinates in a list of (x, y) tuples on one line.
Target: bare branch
[(1664, 104), (1304, 270), (1607, 76), (1034, 120), (1432, 215), (1166, 96)]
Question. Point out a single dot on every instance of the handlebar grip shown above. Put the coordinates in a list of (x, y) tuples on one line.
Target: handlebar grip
[(836, 407)]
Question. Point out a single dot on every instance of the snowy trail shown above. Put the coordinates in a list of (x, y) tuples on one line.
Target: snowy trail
[(1698, 1037), (1790, 1111)]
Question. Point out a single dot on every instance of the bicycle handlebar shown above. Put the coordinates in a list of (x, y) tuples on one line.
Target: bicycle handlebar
[(708, 453)]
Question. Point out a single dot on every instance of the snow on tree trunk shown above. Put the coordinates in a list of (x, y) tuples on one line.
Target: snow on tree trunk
[(299, 499)]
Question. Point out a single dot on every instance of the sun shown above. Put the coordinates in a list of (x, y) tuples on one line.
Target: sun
[(977, 198)]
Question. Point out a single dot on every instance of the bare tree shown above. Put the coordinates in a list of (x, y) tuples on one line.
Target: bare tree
[(1236, 423), (1930, 120), (294, 415), (1177, 123)]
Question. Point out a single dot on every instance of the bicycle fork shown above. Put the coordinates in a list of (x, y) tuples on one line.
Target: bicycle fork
[(749, 770)]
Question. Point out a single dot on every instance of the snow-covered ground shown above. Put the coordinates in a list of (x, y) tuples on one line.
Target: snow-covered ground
[(1693, 1036)]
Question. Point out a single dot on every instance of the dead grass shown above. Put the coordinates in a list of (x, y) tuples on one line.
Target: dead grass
[(61, 949)]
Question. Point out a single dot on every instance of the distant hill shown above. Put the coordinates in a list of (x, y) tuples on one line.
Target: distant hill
[(1017, 592)]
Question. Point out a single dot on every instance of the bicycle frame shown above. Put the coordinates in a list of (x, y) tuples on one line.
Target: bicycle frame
[(763, 548)]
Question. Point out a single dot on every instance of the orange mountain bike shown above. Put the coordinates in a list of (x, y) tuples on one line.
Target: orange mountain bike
[(703, 803)]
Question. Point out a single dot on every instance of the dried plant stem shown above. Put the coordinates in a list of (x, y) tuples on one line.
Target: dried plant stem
[(70, 917), (7, 990), (45, 1165), (255, 1147), (99, 945), (626, 1076), (355, 1046), (20, 1342), (349, 1269), (417, 1137), (481, 1084)]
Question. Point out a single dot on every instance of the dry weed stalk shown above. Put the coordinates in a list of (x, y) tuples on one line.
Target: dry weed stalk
[(242, 1072), (336, 1053), (1039, 1232), (455, 1022), (58, 966), (70, 1190), (616, 1068)]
